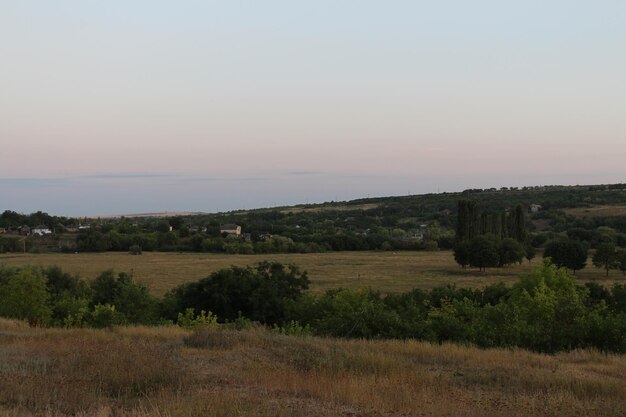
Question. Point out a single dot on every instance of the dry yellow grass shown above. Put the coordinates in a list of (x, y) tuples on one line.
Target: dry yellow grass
[(385, 271), (597, 211), (168, 372), (365, 206)]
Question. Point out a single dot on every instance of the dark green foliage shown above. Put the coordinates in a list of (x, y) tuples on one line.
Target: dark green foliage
[(544, 311), (484, 252), (529, 252), (466, 220), (539, 240), (606, 257), (621, 258), (518, 222), (489, 239), (510, 251), (261, 293), (24, 296), (133, 302), (68, 294), (567, 253), (348, 313), (598, 294), (92, 242), (618, 298)]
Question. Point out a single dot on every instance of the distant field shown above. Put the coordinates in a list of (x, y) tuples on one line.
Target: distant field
[(597, 211), (385, 271), (365, 206)]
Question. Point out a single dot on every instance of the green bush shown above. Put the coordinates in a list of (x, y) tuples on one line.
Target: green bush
[(190, 320), (103, 315), (294, 328), (24, 295)]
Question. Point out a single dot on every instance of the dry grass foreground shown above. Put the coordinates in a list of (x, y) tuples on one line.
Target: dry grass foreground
[(384, 271), (170, 372)]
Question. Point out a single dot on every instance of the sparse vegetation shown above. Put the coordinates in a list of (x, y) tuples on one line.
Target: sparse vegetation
[(169, 371)]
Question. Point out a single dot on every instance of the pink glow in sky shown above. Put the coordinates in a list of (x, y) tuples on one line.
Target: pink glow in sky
[(204, 105)]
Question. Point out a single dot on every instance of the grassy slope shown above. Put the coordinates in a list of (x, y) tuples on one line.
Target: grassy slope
[(171, 372), (386, 271)]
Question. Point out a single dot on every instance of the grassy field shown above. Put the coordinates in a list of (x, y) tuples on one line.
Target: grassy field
[(597, 211), (170, 372), (386, 271)]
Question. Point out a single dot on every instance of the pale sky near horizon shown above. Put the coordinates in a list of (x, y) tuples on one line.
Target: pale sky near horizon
[(135, 106)]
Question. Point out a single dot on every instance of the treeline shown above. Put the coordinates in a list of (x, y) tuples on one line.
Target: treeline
[(12, 219), (544, 311), (417, 222), (380, 239)]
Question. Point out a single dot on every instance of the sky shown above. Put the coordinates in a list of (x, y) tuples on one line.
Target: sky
[(152, 105)]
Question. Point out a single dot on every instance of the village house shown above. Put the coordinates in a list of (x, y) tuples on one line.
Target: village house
[(230, 229), (40, 230), (24, 230), (535, 208)]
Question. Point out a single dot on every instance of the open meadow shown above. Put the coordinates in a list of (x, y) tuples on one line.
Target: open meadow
[(172, 372), (384, 271)]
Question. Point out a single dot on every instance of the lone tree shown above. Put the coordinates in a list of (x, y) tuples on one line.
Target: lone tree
[(606, 257), (484, 252), (567, 253)]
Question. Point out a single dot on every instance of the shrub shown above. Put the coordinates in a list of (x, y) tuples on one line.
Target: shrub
[(189, 320), (294, 328), (103, 315), (135, 250), (133, 301), (260, 294), (24, 295)]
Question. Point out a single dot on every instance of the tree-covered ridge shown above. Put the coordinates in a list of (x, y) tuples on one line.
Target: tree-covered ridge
[(392, 223)]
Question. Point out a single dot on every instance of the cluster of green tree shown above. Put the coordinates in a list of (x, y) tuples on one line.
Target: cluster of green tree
[(489, 239), (12, 219), (572, 253), (592, 230), (112, 237), (49, 296), (544, 311), (13, 244), (487, 251), (472, 223), (263, 293)]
